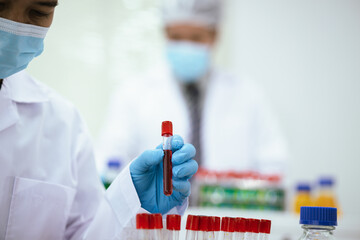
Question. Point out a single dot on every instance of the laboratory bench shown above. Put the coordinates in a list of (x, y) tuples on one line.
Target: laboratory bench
[(284, 226)]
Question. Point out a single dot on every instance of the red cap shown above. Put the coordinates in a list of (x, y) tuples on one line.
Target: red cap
[(173, 222), (228, 224), (142, 221), (216, 223), (192, 223), (151, 221), (241, 224), (210, 224), (155, 221), (166, 128), (265, 226), (204, 223), (253, 225)]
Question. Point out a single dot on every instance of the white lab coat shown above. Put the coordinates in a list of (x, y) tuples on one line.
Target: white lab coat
[(49, 187), (239, 131)]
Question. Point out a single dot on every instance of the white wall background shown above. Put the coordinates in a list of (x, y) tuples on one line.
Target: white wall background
[(306, 54)]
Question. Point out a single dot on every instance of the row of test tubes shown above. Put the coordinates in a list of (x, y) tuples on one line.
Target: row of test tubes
[(150, 227), (209, 227)]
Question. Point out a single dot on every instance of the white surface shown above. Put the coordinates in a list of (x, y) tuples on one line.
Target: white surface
[(305, 53), (283, 225)]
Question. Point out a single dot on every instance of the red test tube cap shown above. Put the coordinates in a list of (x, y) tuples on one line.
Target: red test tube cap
[(253, 225), (241, 224), (204, 223), (156, 221), (166, 128), (142, 221), (228, 224), (151, 221), (265, 226), (192, 223), (216, 223), (173, 222)]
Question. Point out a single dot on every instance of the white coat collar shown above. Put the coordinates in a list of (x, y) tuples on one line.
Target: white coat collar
[(22, 88)]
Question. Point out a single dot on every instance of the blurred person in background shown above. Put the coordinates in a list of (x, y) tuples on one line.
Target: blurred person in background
[(49, 187), (226, 118)]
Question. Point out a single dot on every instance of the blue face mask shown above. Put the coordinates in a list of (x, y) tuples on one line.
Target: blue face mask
[(19, 44), (188, 61)]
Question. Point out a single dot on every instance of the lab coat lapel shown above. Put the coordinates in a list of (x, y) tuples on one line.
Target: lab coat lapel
[(8, 113), (18, 88)]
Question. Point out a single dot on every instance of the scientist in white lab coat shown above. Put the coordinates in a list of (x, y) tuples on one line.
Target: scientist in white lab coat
[(49, 188), (227, 119)]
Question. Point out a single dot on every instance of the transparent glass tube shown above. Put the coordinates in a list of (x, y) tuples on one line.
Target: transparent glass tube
[(263, 236), (227, 236), (216, 235), (248, 236), (158, 234), (191, 235), (255, 236), (209, 236), (239, 235), (144, 234), (200, 235), (173, 235), (317, 232), (167, 165)]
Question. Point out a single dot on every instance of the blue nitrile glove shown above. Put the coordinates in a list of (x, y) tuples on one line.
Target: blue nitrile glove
[(147, 175)]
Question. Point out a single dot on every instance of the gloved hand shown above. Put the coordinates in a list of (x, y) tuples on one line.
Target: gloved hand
[(147, 175)]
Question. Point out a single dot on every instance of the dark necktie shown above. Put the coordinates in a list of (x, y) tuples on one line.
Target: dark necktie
[(193, 99)]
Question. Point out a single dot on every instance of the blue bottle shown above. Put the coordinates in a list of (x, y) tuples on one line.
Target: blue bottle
[(318, 223)]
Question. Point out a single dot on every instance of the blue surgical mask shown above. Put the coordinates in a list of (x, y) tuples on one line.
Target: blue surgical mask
[(188, 61), (19, 44)]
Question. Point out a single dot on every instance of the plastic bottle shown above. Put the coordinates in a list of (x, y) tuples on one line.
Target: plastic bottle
[(318, 223), (264, 229), (326, 195), (173, 226), (112, 169), (192, 227), (302, 197)]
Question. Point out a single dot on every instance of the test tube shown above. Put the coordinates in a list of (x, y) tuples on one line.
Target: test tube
[(228, 227), (167, 133), (203, 228), (156, 226), (216, 226), (192, 227), (253, 229), (173, 225), (264, 229), (240, 228), (142, 226)]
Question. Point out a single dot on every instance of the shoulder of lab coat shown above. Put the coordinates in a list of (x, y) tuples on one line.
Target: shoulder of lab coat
[(121, 200)]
